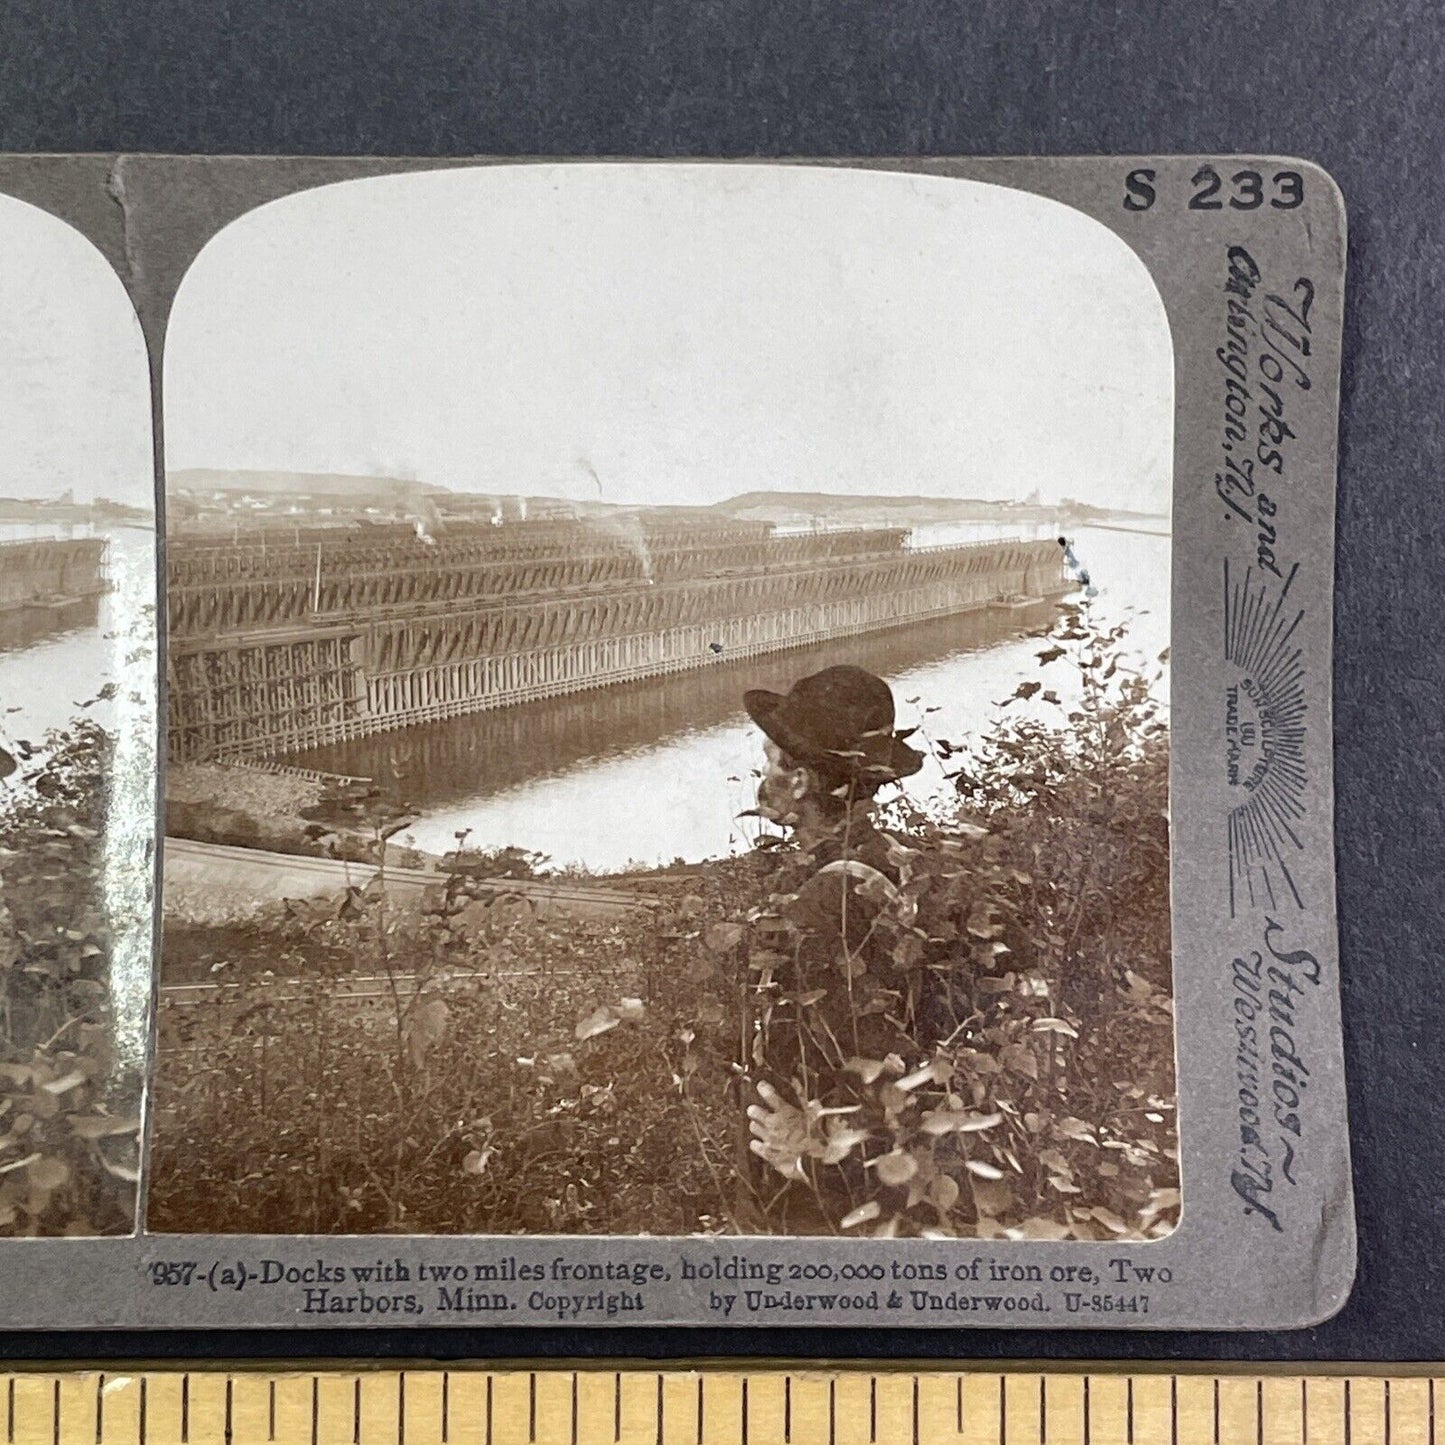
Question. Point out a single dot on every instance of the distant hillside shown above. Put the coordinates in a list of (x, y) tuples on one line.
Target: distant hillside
[(818, 502), (42, 509), (832, 507), (297, 484)]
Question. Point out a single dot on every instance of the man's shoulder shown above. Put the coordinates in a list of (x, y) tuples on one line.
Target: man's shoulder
[(818, 901)]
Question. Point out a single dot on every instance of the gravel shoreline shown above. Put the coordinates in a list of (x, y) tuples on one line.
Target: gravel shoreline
[(241, 789)]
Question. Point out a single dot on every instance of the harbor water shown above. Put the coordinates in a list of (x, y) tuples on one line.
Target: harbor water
[(657, 772), (54, 662), (96, 658)]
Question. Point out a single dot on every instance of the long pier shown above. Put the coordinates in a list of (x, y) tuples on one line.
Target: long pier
[(279, 647), (50, 572)]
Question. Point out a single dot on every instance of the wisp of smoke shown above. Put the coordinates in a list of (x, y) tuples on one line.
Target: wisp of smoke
[(628, 526), (422, 514)]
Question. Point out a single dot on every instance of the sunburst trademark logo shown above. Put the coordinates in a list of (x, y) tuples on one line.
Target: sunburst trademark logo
[(1264, 740)]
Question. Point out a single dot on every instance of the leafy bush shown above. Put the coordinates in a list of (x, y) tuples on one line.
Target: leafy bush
[(445, 1085), (68, 1110), (989, 1049)]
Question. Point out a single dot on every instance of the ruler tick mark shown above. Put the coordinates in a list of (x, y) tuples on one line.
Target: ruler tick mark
[(531, 1405), (99, 1409), (700, 1408), (356, 1411), (915, 1410), (1002, 1409), (185, 1408), (10, 1412), (446, 1406), (873, 1408), (55, 1417), (787, 1410), (228, 1409), (271, 1412), (659, 1408), (401, 1409), (617, 1406), (315, 1409), (1043, 1410), (832, 1412), (143, 1422), (489, 1410), (574, 1407), (743, 1431)]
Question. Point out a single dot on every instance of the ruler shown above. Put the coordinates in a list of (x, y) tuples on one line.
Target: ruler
[(721, 1405)]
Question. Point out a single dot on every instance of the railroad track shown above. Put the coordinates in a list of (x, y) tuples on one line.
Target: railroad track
[(359, 989), (247, 876)]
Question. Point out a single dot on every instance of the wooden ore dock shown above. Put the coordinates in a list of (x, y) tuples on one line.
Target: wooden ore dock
[(50, 572), (346, 632)]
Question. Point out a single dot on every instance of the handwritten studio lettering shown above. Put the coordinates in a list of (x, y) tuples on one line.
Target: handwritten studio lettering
[(1267, 342), (1270, 987)]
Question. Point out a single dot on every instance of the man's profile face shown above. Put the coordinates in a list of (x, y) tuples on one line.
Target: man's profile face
[(781, 786)]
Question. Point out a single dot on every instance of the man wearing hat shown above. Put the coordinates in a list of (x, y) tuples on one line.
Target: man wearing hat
[(830, 744), (830, 992)]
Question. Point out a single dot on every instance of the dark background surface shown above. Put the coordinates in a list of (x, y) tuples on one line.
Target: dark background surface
[(1359, 88)]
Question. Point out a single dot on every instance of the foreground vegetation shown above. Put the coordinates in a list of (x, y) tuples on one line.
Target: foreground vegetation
[(68, 1107), (994, 1058)]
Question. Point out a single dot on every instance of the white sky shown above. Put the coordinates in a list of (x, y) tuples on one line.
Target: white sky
[(677, 333), (73, 372)]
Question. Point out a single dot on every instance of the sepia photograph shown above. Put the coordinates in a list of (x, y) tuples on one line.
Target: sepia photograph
[(77, 733), (666, 715)]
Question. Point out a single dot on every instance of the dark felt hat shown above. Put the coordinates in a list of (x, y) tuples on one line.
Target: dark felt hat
[(841, 719)]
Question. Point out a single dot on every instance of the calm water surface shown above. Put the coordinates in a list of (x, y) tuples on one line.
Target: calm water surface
[(657, 771), (50, 663), (49, 666)]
